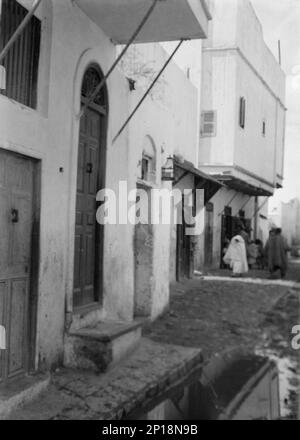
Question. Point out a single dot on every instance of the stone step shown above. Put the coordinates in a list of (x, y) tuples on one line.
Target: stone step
[(103, 345), (18, 392), (155, 382)]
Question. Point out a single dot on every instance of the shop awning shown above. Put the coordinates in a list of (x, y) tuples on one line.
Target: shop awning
[(171, 19), (202, 180), (242, 186)]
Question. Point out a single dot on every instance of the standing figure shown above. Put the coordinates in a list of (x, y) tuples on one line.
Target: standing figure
[(260, 254), (276, 254), (252, 254), (236, 256), (242, 231)]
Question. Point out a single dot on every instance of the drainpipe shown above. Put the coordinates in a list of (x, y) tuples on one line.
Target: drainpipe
[(19, 30)]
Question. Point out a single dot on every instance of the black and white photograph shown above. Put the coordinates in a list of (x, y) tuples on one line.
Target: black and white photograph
[(149, 213)]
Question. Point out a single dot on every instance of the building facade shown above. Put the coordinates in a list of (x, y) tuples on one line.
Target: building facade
[(242, 125), (59, 270), (290, 221)]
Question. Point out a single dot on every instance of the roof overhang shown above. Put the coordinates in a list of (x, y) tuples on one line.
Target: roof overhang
[(242, 186), (204, 181), (170, 20)]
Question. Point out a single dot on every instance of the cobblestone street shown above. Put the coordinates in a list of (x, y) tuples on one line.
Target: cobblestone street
[(216, 315), (205, 319), (223, 315)]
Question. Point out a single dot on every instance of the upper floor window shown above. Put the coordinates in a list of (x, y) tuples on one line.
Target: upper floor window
[(242, 113), (208, 123), (148, 164), (22, 61)]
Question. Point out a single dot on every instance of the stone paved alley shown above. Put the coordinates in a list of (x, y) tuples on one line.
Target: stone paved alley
[(214, 316), (223, 315)]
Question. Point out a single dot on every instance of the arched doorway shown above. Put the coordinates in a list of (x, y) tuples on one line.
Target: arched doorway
[(88, 257)]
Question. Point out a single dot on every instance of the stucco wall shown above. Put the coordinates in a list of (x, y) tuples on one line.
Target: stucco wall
[(173, 92), (237, 60), (235, 24), (70, 43), (255, 152), (290, 221), (219, 94), (156, 122), (52, 137)]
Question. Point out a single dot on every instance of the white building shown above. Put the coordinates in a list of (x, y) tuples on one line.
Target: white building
[(59, 271), (179, 97), (242, 123), (290, 221)]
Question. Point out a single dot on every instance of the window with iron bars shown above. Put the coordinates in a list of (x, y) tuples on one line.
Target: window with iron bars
[(22, 61)]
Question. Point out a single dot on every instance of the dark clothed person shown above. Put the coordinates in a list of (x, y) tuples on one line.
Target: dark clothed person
[(276, 253)]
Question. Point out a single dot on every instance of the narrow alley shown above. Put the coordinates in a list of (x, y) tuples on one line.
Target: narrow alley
[(227, 320), (220, 316), (149, 210)]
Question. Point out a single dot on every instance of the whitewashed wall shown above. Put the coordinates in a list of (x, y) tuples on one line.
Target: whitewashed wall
[(70, 43)]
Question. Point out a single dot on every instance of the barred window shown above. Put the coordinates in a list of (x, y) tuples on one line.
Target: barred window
[(208, 123), (22, 61)]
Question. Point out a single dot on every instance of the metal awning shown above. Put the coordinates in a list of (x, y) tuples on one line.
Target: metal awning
[(171, 19), (202, 180), (242, 186)]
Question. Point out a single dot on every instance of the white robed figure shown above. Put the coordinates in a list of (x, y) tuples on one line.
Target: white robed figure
[(2, 338), (236, 256)]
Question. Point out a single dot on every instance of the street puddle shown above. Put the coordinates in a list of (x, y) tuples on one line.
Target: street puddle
[(288, 382)]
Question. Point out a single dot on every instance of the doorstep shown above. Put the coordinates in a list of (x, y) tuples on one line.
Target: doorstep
[(20, 391), (102, 345)]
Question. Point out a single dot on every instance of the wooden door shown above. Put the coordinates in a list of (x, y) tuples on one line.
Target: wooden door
[(208, 235), (16, 227), (86, 265)]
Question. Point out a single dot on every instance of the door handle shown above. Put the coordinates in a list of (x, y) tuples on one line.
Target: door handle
[(89, 168), (15, 215)]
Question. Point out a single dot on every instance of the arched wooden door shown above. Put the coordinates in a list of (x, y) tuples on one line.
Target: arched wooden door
[(88, 264)]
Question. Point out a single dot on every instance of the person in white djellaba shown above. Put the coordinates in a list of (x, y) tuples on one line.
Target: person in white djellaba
[(2, 338), (236, 256)]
